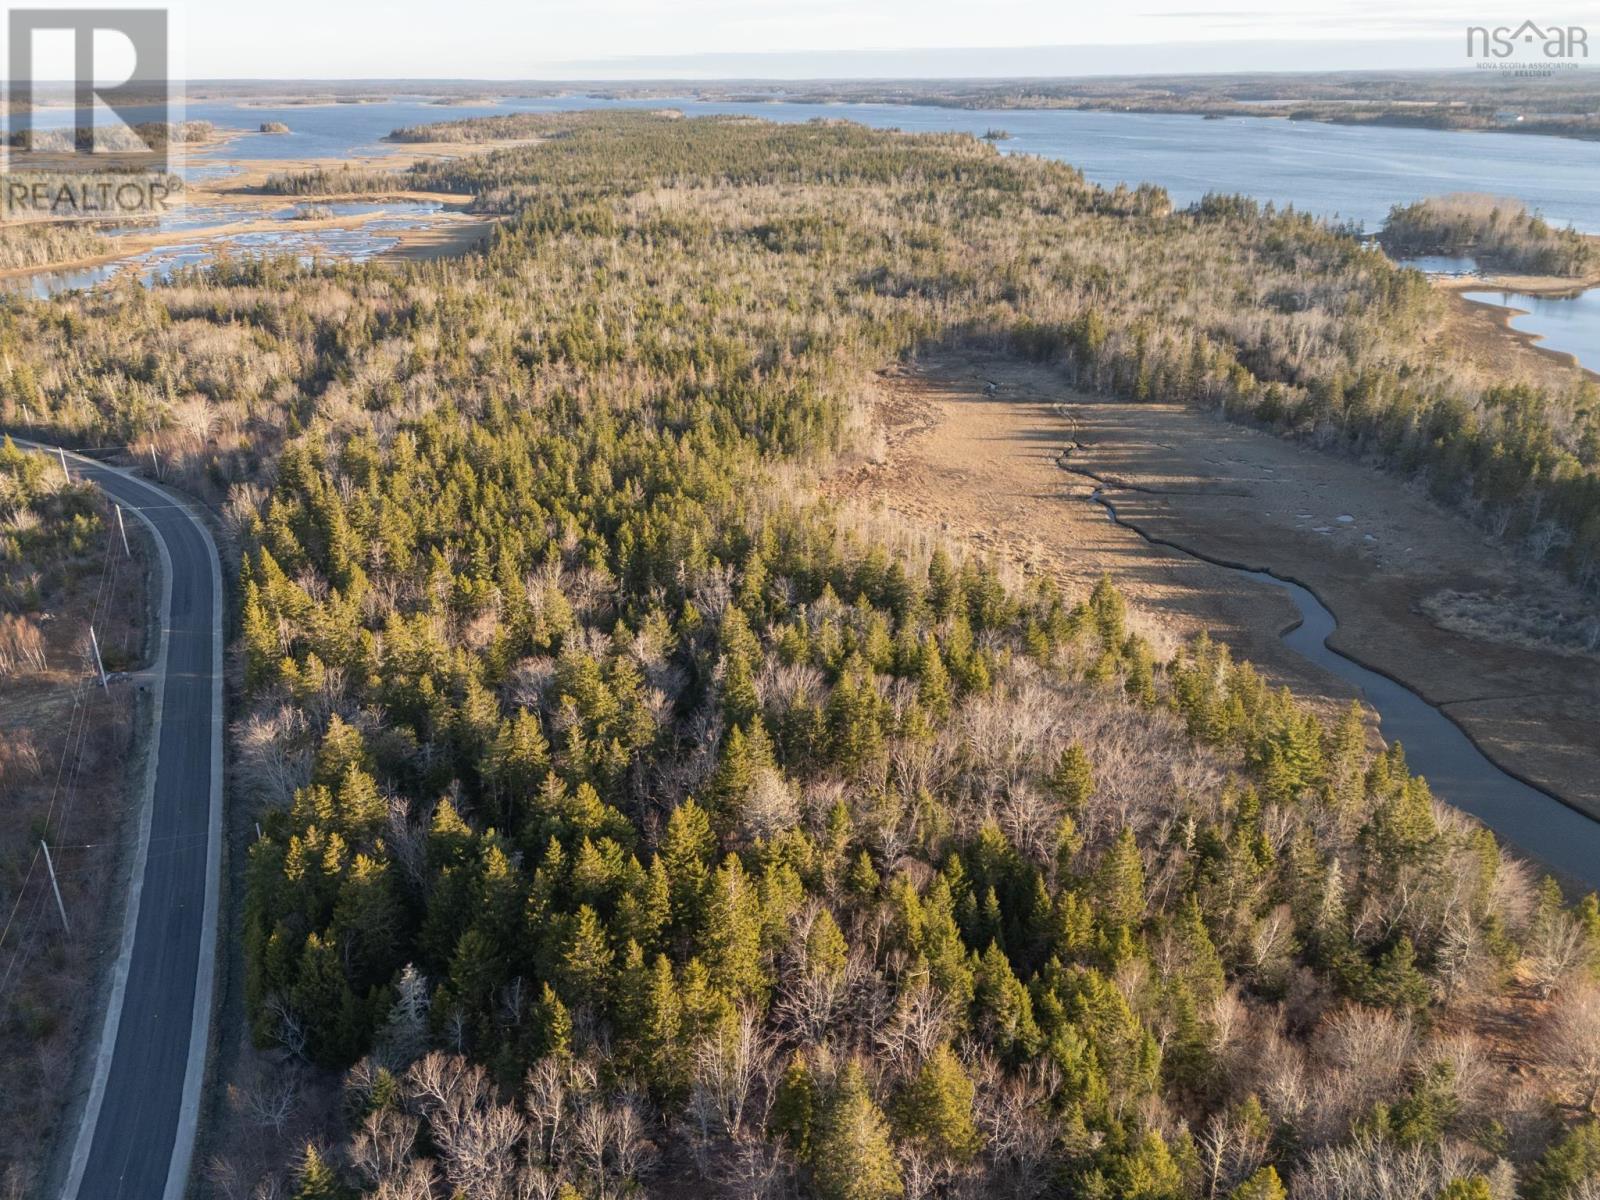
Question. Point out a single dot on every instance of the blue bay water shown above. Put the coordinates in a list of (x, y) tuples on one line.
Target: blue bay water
[(1569, 324), (1353, 173)]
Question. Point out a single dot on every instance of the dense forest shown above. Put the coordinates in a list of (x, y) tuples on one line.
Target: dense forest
[(1499, 233), (1271, 317), (632, 822)]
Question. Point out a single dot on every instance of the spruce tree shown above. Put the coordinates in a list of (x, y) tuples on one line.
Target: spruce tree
[(686, 857), (1265, 1185), (852, 1157), (315, 1178), (1072, 779), (733, 933), (825, 947), (1119, 882), (794, 1108), (934, 1112), (586, 958)]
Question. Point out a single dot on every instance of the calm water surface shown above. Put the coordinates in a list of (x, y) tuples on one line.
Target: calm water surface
[(1570, 324), (1351, 172)]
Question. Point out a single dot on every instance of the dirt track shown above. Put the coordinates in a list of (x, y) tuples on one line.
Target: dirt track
[(974, 448)]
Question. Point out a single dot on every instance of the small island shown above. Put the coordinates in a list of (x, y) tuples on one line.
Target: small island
[(273, 127), (1498, 232)]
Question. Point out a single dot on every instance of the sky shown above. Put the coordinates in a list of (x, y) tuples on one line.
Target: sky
[(590, 39)]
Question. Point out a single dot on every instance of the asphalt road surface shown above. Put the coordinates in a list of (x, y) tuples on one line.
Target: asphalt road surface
[(136, 1138)]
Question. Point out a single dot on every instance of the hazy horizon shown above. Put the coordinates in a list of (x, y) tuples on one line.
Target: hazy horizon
[(949, 63), (573, 40)]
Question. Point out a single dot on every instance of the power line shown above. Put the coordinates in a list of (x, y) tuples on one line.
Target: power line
[(74, 741), (21, 890)]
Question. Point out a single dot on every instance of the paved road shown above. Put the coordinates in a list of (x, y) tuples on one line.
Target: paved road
[(136, 1139)]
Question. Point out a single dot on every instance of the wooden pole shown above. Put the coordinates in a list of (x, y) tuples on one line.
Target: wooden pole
[(64, 473), (123, 530), (54, 886), (99, 666)]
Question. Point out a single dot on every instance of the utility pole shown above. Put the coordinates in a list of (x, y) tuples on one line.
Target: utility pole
[(54, 887), (99, 666), (123, 530), (154, 465), (64, 473)]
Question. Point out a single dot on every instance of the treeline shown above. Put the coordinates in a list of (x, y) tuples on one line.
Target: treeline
[(510, 127), (334, 181), (1499, 233)]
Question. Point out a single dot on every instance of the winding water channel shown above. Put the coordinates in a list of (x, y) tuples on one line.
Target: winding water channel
[(1436, 747)]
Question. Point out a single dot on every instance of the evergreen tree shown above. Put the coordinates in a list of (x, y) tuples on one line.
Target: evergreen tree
[(852, 1158), (933, 680), (516, 762), (586, 958), (315, 1178), (686, 857), (935, 1110), (862, 878), (1119, 882), (332, 1016), (743, 756), (826, 950), (369, 920), (1005, 1006), (794, 1108), (1396, 981), (554, 1023), (1072, 779), (1572, 1161), (733, 933), (1263, 1185)]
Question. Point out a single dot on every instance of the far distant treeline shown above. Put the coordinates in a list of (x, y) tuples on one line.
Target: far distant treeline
[(1462, 100), (152, 135), (1498, 232)]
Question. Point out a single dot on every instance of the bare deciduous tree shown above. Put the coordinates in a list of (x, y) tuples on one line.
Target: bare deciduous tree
[(1571, 1045)]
